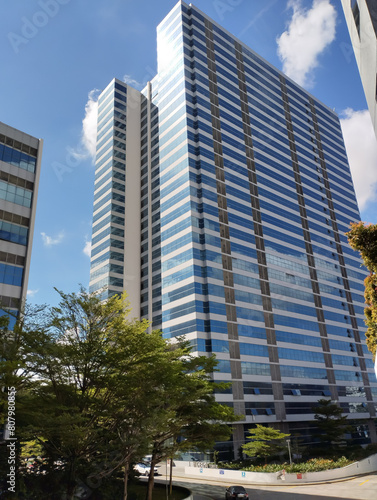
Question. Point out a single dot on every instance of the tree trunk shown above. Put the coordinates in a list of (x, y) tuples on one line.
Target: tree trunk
[(71, 483), (126, 467), (151, 479), (171, 477)]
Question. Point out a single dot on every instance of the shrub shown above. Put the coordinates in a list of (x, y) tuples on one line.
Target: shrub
[(312, 465)]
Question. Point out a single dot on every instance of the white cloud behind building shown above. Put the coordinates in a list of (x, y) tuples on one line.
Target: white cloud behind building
[(308, 34)]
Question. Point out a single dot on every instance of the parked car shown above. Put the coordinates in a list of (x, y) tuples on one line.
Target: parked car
[(236, 492), (144, 469)]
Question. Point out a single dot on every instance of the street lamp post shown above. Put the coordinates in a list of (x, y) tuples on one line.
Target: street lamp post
[(166, 477), (289, 451)]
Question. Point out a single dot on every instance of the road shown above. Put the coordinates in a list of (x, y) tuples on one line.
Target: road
[(359, 488)]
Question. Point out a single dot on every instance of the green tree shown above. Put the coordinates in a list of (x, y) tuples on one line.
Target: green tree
[(141, 397), (15, 373), (363, 238), (96, 392), (187, 414), (331, 423), (266, 441), (87, 369)]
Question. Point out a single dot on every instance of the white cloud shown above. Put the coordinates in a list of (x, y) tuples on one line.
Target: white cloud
[(87, 248), (89, 123), (361, 149), (87, 147), (49, 241), (132, 82), (309, 32), (32, 293)]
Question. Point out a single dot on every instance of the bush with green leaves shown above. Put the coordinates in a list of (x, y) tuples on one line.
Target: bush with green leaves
[(312, 465)]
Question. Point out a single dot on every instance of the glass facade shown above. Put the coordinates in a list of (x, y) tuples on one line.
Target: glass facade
[(108, 239), (20, 156), (246, 194)]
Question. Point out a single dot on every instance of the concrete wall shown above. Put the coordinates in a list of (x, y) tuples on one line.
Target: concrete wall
[(365, 466), (132, 237)]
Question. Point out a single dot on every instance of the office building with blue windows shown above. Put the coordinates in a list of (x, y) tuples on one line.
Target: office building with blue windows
[(20, 160), (222, 196)]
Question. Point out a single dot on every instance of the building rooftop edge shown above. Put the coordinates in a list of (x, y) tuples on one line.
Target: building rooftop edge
[(181, 2), (17, 130), (258, 55)]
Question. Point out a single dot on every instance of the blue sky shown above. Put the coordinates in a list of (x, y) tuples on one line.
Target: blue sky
[(56, 54)]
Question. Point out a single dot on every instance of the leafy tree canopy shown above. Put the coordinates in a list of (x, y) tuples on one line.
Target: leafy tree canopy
[(266, 441), (330, 421), (96, 391), (363, 238)]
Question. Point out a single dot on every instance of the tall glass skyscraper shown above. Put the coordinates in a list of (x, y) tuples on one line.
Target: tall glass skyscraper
[(20, 161), (222, 196)]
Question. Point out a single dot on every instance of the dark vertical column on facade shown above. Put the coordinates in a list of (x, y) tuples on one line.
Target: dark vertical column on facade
[(259, 241), (340, 257), (149, 206), (145, 220), (154, 210), (230, 302), (308, 245)]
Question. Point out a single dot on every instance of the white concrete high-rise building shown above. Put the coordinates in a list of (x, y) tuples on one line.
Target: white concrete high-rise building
[(361, 17)]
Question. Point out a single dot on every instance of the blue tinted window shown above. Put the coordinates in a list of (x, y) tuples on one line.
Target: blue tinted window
[(11, 275), (17, 158), (253, 349), (15, 194), (13, 233), (295, 338), (249, 368), (303, 372), (301, 355)]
